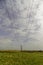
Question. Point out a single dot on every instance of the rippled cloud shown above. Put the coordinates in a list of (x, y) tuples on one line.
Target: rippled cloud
[(19, 22)]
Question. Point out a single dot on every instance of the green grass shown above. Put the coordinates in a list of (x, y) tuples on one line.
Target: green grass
[(21, 58)]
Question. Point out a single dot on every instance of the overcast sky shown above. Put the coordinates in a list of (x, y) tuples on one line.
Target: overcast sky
[(21, 23)]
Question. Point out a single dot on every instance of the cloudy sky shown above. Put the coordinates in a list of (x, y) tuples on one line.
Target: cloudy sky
[(21, 23)]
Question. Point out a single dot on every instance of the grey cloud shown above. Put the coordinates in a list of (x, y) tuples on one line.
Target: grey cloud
[(19, 20), (2, 4), (14, 14)]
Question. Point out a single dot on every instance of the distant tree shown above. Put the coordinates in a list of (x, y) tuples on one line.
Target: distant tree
[(21, 47)]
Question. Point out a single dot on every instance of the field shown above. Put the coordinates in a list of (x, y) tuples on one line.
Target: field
[(21, 58)]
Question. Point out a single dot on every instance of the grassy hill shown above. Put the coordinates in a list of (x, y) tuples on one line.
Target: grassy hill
[(21, 58)]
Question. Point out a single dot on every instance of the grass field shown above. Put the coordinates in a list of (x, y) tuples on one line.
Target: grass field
[(21, 58)]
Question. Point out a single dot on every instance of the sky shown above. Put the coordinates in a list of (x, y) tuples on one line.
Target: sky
[(21, 23)]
